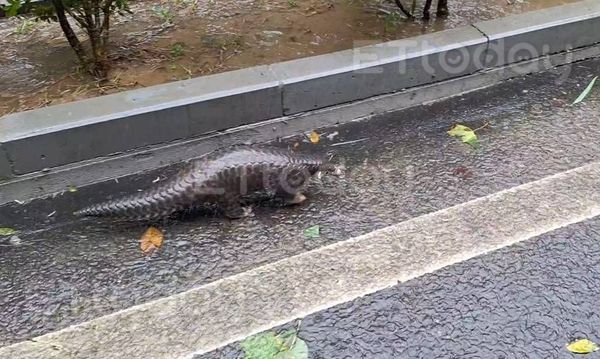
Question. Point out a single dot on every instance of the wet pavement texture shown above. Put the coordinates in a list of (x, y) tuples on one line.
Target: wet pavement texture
[(524, 301), (59, 270)]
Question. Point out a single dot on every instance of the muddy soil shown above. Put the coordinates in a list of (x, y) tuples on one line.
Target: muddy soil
[(164, 41)]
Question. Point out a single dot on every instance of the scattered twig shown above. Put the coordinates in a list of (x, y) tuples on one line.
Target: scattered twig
[(486, 124), (349, 142)]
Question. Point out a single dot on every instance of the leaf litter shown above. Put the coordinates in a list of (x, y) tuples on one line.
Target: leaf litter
[(586, 91), (151, 240), (286, 345)]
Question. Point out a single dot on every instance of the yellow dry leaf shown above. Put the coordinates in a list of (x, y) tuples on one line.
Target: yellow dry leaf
[(314, 137), (151, 240), (582, 346)]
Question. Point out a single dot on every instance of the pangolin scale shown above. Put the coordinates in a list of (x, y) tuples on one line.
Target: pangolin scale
[(222, 177)]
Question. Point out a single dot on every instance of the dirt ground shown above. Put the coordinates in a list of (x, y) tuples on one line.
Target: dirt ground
[(164, 41)]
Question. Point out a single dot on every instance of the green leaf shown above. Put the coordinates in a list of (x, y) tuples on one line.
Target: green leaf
[(296, 348), (466, 134), (271, 346), (582, 346), (312, 232), (470, 138), (177, 49), (585, 92), (459, 130), (260, 346), (6, 231), (12, 9)]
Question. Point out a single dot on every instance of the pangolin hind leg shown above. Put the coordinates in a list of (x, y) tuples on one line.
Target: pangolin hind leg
[(232, 207), (291, 198)]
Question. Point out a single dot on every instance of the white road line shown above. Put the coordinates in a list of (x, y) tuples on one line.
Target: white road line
[(213, 315)]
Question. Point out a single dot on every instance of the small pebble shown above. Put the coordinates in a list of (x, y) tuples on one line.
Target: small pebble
[(15, 240)]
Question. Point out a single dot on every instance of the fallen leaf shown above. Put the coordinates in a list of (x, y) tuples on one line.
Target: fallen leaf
[(466, 134), (6, 231), (312, 232), (271, 346), (72, 189), (586, 91), (582, 346), (296, 347), (260, 346), (314, 137), (151, 240)]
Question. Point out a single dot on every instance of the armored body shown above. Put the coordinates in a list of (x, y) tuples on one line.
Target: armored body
[(222, 177)]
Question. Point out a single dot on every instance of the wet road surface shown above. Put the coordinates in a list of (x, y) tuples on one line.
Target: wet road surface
[(62, 270), (524, 301)]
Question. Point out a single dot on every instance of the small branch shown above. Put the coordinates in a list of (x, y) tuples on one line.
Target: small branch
[(482, 127), (76, 16), (107, 4), (88, 11), (426, 9), (69, 33), (106, 9), (97, 21), (406, 12), (348, 142)]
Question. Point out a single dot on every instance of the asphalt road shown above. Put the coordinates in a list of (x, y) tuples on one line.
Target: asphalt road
[(524, 301), (401, 165)]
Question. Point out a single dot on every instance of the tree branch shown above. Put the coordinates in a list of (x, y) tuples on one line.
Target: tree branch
[(106, 10), (76, 16), (406, 12), (97, 20), (107, 4), (69, 33), (88, 11), (442, 9)]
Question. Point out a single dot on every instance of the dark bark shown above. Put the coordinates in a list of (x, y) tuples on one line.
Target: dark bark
[(100, 35), (442, 8), (426, 9), (69, 33), (93, 16), (406, 12)]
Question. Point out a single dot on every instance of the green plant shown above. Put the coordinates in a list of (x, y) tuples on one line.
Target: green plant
[(25, 27), (13, 7), (391, 21), (222, 41), (164, 12), (177, 49)]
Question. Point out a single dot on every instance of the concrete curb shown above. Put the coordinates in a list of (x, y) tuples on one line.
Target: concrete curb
[(38, 185), (64, 134)]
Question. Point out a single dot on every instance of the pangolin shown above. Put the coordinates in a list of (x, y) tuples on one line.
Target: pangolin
[(223, 178)]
